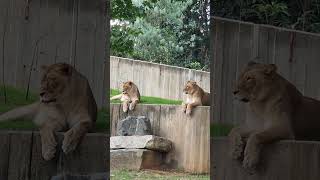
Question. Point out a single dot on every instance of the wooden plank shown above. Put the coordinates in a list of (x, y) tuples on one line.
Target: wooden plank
[(65, 29), (231, 50), (3, 20), (19, 158), (114, 117), (245, 54), (285, 160), (4, 152), (47, 45), (85, 38), (93, 151), (101, 69), (31, 35), (217, 70)]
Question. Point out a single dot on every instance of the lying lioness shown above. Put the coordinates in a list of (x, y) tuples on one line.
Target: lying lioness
[(66, 104), (129, 97), (196, 96), (281, 111)]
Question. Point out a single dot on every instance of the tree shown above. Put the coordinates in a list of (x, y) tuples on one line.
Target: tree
[(164, 31)]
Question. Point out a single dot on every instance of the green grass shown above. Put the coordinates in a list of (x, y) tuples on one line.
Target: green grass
[(157, 175), (16, 98), (218, 130), (147, 99)]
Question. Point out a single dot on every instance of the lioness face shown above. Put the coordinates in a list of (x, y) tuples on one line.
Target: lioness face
[(254, 82), (54, 82), (126, 87), (190, 87)]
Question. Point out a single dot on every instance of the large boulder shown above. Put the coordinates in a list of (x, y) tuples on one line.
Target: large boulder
[(135, 159), (134, 126), (150, 142)]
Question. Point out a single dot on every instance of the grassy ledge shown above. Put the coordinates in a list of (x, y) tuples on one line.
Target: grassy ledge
[(154, 174), (16, 98), (147, 99)]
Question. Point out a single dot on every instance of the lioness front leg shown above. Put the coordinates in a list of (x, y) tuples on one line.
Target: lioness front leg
[(74, 135), (237, 141), (48, 142), (184, 107), (191, 106), (125, 106), (257, 139), (133, 104)]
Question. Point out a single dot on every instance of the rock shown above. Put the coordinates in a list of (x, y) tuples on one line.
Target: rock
[(96, 176), (150, 142), (134, 126), (135, 159)]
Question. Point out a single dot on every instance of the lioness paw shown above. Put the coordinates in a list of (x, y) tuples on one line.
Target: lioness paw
[(236, 145), (188, 112), (131, 107), (125, 108), (251, 154), (70, 142), (183, 108), (48, 153)]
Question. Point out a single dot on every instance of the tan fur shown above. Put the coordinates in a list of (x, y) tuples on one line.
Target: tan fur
[(196, 96), (129, 97), (66, 104), (279, 111)]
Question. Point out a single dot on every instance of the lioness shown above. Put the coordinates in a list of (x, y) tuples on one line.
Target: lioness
[(281, 111), (66, 104), (129, 97), (196, 96)]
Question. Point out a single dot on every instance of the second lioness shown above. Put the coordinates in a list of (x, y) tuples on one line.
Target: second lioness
[(196, 96), (129, 97)]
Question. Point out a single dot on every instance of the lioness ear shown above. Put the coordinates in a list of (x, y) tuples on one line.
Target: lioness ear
[(270, 68), (66, 69)]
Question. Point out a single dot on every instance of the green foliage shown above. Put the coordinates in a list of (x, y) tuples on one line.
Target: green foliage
[(300, 15), (173, 32), (217, 130), (147, 99)]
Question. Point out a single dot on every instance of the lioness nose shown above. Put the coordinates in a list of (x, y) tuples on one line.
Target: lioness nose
[(235, 92)]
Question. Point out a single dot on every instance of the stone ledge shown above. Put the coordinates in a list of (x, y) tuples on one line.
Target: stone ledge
[(135, 159)]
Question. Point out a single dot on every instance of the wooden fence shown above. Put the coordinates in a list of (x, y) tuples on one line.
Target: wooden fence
[(190, 136), (21, 156), (284, 160), (295, 53), (37, 32), (155, 79)]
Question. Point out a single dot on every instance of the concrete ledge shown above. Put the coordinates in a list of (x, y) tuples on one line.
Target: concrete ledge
[(284, 160), (20, 156), (135, 159), (189, 135)]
